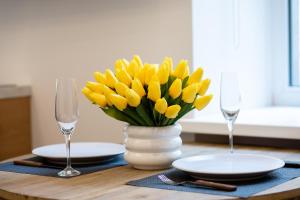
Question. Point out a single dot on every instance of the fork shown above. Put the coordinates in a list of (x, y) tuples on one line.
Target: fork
[(203, 183)]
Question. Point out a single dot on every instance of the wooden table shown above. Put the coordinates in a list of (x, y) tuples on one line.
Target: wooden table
[(110, 184)]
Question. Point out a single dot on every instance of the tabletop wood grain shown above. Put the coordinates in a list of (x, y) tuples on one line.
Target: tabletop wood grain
[(110, 184)]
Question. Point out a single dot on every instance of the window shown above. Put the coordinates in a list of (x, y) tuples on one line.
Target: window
[(285, 60), (294, 73), (294, 39), (267, 33)]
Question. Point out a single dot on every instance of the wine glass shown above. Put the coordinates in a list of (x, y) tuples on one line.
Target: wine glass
[(66, 114), (230, 99)]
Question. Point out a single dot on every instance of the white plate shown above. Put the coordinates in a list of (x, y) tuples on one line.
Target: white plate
[(81, 150), (228, 167)]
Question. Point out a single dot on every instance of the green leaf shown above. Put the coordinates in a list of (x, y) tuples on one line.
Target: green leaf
[(150, 109), (184, 110), (164, 89), (144, 115), (165, 121), (184, 82), (118, 115), (134, 115), (145, 103)]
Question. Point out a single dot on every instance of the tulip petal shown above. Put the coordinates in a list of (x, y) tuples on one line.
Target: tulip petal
[(118, 101), (133, 98), (121, 88), (189, 93), (99, 99), (137, 86), (111, 80), (154, 91), (176, 88), (100, 77), (202, 102), (203, 86), (87, 92), (172, 111)]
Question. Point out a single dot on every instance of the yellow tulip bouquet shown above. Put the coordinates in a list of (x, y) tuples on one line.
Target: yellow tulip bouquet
[(144, 94)]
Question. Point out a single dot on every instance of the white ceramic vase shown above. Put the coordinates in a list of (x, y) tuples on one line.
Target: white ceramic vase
[(152, 148)]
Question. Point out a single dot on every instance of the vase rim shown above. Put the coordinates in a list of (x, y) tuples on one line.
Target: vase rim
[(176, 124), (151, 127)]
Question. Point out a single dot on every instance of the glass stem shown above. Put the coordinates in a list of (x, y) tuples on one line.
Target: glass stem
[(68, 139), (230, 128)]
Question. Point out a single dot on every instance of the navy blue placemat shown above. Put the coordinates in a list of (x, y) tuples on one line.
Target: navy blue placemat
[(43, 171), (245, 189)]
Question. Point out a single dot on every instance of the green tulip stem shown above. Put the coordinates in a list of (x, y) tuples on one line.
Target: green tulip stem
[(115, 113), (144, 115), (134, 115), (184, 110)]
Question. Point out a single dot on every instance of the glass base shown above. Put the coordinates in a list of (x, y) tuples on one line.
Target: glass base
[(68, 172)]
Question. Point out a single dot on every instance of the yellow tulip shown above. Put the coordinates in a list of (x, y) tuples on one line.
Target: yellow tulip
[(123, 76), (99, 99), (119, 65), (111, 80), (201, 102), (154, 91), (203, 86), (175, 88), (94, 86), (163, 73), (125, 62), (133, 98), (150, 70), (161, 105), (187, 72), (189, 93), (137, 86), (156, 66), (138, 61), (121, 88), (106, 91), (100, 77), (141, 75), (169, 62), (118, 101), (172, 111), (132, 68), (196, 76), (87, 92), (182, 69), (154, 78)]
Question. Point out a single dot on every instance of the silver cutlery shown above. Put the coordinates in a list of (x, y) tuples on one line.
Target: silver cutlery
[(202, 183)]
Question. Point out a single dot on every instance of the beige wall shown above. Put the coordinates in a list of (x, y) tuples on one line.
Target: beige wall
[(42, 40)]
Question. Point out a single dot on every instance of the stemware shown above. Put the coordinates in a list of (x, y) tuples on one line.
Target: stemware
[(66, 115), (230, 99)]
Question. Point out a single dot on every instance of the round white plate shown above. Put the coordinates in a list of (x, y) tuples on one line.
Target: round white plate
[(228, 167), (81, 150)]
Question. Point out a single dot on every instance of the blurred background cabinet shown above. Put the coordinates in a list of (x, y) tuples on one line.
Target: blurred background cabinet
[(15, 129)]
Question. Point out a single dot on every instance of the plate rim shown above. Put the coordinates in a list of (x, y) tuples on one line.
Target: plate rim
[(282, 163), (96, 156)]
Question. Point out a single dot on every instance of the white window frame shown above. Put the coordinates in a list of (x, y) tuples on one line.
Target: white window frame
[(283, 93)]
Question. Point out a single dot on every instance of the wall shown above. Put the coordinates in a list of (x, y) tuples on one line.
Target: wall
[(233, 35), (13, 44), (42, 40)]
